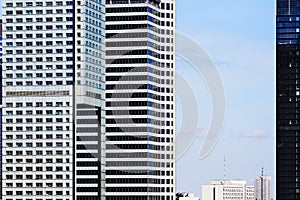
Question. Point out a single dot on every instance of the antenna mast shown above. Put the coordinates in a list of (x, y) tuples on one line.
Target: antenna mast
[(224, 168)]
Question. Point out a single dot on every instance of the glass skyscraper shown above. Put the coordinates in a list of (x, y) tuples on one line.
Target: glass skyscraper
[(288, 99)]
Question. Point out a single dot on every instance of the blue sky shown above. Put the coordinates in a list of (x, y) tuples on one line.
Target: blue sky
[(239, 37)]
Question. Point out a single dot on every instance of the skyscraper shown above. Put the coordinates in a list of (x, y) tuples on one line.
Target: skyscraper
[(287, 99), (53, 99), (140, 99), (262, 188)]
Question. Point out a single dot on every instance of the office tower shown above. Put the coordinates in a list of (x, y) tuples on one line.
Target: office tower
[(287, 99), (53, 94), (262, 188), (140, 99), (227, 189)]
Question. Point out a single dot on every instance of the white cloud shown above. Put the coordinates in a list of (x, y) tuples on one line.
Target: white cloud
[(257, 133)]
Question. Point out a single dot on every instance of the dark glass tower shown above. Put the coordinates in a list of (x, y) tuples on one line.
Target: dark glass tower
[(288, 99)]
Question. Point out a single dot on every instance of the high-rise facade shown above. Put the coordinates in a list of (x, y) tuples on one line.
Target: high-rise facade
[(140, 99), (0, 106), (53, 100), (287, 99), (54, 94), (262, 188)]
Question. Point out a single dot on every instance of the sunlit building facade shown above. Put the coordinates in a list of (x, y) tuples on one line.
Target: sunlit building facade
[(140, 99), (53, 100)]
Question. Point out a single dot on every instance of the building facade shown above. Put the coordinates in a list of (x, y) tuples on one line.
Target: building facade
[(262, 188), (53, 100), (250, 193), (227, 189), (140, 99), (287, 99)]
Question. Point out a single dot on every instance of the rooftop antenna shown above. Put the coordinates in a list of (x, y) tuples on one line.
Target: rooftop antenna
[(224, 168)]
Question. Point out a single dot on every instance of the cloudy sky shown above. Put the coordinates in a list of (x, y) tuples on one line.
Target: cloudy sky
[(238, 35)]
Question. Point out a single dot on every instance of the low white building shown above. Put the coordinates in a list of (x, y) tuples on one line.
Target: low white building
[(227, 190), (249, 192)]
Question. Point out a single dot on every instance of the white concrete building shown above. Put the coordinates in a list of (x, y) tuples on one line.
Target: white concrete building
[(227, 190), (262, 188), (53, 100), (250, 192), (140, 99)]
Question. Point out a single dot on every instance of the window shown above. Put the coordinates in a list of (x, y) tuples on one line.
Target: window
[(29, 12), (29, 104), (49, 112), (39, 136), (28, 67), (29, 112), (39, 104), (9, 36), (19, 112), (38, 144), (49, 128), (19, 137), (9, 12), (19, 104)]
